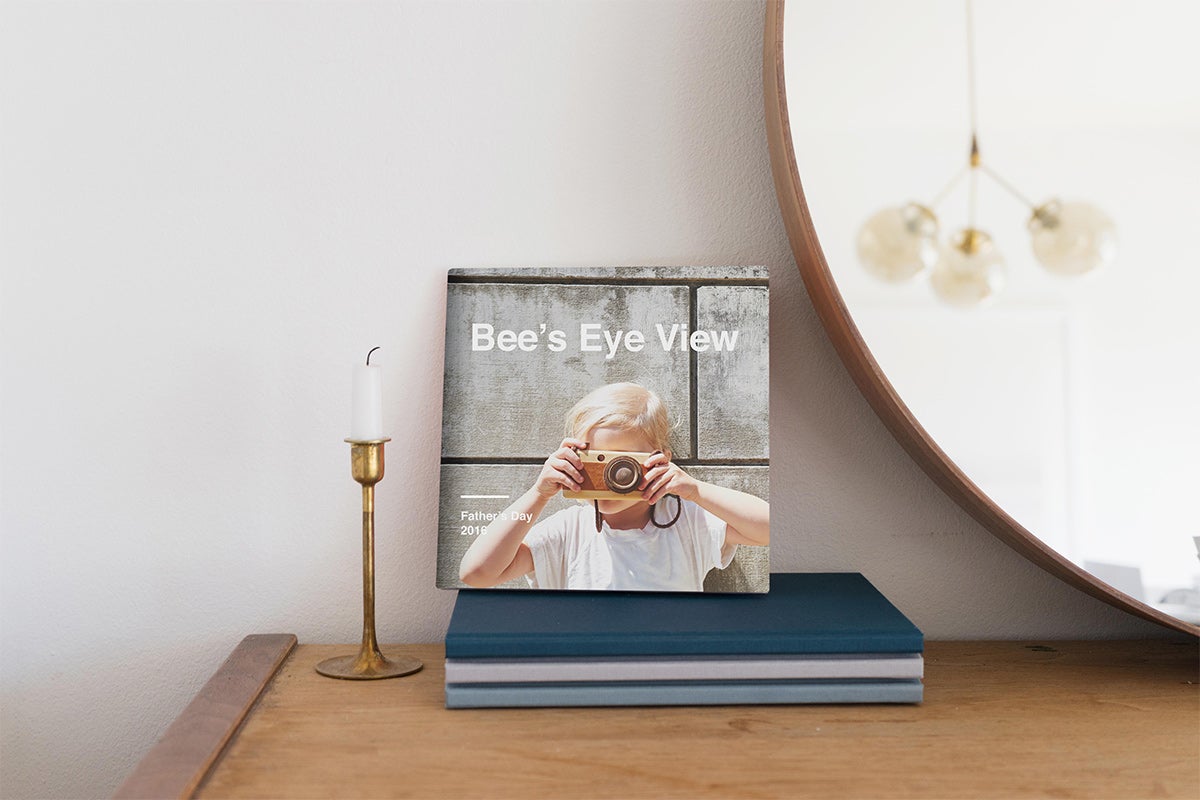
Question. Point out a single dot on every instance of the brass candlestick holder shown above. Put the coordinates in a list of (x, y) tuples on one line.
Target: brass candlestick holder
[(366, 466)]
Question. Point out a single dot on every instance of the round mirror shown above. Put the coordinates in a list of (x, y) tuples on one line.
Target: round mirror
[(994, 224)]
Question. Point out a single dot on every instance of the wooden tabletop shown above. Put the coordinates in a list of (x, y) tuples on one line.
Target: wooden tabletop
[(1000, 720)]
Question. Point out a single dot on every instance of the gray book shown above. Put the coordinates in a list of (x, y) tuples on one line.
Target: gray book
[(685, 668), (680, 693)]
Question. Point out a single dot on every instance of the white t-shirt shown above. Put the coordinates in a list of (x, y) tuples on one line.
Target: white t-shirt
[(568, 553)]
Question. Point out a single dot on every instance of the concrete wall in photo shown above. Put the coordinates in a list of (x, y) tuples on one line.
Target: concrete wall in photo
[(732, 422), (512, 404), (504, 410)]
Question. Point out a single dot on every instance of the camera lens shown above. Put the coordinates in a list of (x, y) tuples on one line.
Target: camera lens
[(623, 474)]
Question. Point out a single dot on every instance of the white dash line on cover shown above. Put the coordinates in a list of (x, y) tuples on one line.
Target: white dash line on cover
[(484, 496)]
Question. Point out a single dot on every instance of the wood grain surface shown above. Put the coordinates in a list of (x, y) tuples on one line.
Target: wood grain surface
[(1000, 720), (177, 764)]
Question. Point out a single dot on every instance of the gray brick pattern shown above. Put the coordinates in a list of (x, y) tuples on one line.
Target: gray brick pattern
[(494, 402), (732, 423)]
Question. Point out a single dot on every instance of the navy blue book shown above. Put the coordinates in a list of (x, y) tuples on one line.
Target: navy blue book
[(802, 613)]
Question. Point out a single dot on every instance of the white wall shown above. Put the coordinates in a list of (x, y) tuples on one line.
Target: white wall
[(209, 211)]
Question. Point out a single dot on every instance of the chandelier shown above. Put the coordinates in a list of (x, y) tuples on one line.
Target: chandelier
[(901, 243)]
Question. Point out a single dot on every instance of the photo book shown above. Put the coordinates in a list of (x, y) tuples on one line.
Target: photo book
[(606, 429)]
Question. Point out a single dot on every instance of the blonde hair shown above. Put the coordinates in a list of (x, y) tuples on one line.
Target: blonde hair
[(627, 406)]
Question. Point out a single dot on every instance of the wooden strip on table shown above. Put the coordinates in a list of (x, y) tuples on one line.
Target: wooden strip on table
[(177, 764)]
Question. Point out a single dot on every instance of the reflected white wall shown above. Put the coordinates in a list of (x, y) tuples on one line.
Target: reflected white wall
[(1093, 101)]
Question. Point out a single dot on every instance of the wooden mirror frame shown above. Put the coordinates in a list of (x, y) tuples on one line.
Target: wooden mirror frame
[(867, 375)]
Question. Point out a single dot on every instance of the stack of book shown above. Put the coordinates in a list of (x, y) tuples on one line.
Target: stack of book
[(813, 638)]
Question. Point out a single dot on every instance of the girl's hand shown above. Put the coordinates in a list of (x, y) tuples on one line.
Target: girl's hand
[(562, 469), (664, 477)]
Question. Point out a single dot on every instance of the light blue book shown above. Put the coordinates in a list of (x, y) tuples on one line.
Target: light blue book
[(860, 666), (679, 693)]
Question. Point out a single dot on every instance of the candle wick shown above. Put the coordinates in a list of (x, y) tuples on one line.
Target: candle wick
[(372, 350)]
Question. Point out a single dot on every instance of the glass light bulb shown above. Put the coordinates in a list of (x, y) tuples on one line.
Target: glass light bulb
[(970, 270), (1072, 238), (898, 243)]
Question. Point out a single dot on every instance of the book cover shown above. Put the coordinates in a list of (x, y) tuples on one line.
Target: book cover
[(804, 613), (605, 429)]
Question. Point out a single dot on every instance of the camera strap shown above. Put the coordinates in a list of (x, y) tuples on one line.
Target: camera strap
[(674, 519)]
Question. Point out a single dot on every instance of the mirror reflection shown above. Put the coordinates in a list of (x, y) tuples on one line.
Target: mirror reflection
[(1029, 297)]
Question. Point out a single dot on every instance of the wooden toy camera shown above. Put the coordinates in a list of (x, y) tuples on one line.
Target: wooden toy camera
[(609, 474)]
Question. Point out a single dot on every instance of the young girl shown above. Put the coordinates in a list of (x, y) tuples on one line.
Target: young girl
[(642, 544)]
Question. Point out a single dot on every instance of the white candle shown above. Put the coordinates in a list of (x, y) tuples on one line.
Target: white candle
[(366, 419)]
